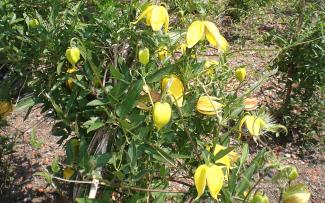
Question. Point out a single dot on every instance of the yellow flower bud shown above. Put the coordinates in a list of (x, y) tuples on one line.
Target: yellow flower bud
[(174, 87), (208, 105), (296, 194), (161, 114), (292, 173), (240, 74), (73, 55), (144, 56), (68, 172), (6, 108), (260, 198), (33, 23)]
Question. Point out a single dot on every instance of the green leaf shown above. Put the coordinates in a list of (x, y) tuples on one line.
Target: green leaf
[(96, 102), (93, 124), (131, 99), (132, 152), (248, 174), (223, 153), (227, 196), (115, 73), (158, 75), (25, 103), (243, 156), (59, 67)]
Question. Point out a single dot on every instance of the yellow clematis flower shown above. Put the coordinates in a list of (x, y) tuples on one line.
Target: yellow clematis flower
[(296, 194), (73, 55), (208, 105), (174, 87), (143, 56), (209, 174), (240, 74), (255, 125), (156, 17), (161, 114), (199, 30)]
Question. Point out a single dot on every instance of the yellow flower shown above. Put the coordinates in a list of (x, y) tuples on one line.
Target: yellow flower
[(240, 74), (226, 160), (208, 105), (68, 172), (73, 55), (296, 194), (255, 125), (144, 56), (162, 53), (161, 114), (199, 30), (174, 87), (250, 104), (156, 16), (33, 23), (211, 175), (6, 108)]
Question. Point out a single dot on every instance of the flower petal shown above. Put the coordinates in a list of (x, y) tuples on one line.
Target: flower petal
[(207, 105), (211, 33), (175, 89), (158, 17), (144, 13), (215, 179), (242, 121), (194, 33), (200, 179)]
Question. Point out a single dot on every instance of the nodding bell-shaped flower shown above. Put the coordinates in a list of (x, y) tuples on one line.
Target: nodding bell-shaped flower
[(296, 194), (260, 198), (144, 56), (174, 87), (161, 114), (200, 30), (73, 55), (255, 125), (156, 17), (33, 23), (211, 175), (208, 105), (240, 74)]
